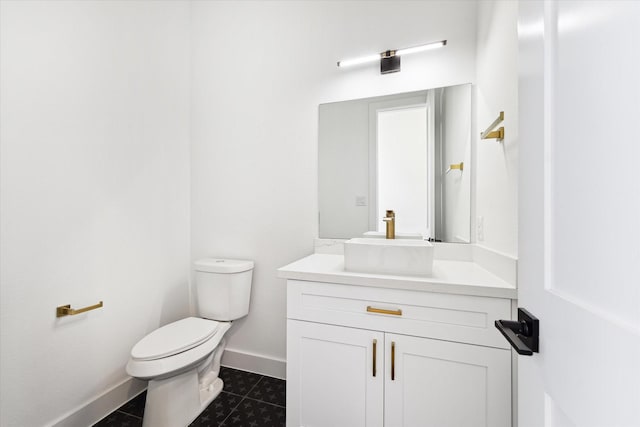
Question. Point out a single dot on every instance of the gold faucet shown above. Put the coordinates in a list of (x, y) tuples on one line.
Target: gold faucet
[(390, 219)]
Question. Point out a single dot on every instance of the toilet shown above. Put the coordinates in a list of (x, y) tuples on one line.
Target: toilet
[(181, 360)]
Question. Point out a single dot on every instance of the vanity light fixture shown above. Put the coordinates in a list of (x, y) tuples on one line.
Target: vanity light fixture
[(390, 59)]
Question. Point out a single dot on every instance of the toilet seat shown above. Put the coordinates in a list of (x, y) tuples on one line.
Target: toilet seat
[(174, 338), (189, 341)]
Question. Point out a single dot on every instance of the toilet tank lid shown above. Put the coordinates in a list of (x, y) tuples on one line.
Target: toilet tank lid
[(219, 265), (174, 338)]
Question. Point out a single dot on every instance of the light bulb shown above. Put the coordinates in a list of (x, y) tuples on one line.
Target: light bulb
[(421, 48), (361, 60)]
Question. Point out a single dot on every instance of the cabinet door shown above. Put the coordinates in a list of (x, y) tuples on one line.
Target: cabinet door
[(330, 376), (445, 384)]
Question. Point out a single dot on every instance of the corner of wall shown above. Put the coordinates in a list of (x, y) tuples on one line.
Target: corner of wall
[(496, 198)]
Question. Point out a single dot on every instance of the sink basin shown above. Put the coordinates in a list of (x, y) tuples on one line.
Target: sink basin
[(406, 257)]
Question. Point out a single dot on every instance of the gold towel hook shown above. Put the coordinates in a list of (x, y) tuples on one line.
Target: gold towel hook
[(457, 166)]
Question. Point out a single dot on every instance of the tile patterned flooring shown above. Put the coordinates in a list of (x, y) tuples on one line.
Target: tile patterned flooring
[(247, 400)]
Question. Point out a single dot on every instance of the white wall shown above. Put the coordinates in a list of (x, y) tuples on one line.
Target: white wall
[(260, 69), (497, 90), (457, 149), (94, 194), (343, 163)]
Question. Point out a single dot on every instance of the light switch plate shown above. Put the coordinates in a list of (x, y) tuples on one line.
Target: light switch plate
[(480, 228)]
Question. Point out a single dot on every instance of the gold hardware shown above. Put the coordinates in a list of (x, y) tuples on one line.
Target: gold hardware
[(393, 361), (390, 219), (397, 312), (375, 344), (497, 134), (66, 310), (457, 166)]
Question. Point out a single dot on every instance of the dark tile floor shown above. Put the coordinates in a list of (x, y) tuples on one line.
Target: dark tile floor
[(247, 400)]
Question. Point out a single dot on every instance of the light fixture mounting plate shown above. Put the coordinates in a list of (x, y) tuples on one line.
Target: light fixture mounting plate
[(389, 63)]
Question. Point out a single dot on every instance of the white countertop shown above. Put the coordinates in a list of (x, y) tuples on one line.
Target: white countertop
[(451, 277)]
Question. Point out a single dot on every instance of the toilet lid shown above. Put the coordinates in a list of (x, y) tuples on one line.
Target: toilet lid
[(174, 338)]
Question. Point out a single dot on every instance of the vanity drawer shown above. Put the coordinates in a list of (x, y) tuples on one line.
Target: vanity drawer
[(461, 318)]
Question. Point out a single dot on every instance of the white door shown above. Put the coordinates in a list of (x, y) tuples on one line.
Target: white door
[(402, 140), (579, 212), (405, 122), (334, 376), (433, 383)]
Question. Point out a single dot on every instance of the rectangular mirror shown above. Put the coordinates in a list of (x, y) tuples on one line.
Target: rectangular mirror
[(408, 152)]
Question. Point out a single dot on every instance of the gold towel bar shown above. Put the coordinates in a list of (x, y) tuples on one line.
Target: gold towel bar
[(497, 134), (66, 310)]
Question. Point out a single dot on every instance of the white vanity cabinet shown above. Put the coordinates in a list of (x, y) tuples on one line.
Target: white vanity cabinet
[(330, 375), (442, 383), (373, 356)]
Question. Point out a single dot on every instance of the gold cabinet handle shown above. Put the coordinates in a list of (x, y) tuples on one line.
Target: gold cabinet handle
[(66, 310), (393, 361), (397, 312), (375, 344)]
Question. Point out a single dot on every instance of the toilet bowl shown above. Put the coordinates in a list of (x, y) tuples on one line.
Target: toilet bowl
[(181, 360)]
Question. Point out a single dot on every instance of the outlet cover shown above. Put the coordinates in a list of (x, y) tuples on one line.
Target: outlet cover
[(480, 228)]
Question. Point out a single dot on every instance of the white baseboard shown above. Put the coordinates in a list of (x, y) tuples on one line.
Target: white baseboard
[(252, 362), (93, 411)]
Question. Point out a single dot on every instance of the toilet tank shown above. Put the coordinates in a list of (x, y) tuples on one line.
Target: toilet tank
[(223, 288)]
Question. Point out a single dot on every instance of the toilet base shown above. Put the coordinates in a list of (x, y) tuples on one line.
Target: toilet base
[(180, 403), (180, 399)]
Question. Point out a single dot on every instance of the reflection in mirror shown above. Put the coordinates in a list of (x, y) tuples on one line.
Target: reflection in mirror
[(407, 152)]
